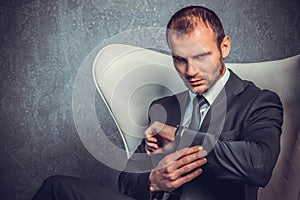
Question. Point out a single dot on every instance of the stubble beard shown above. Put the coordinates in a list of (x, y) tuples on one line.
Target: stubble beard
[(201, 89)]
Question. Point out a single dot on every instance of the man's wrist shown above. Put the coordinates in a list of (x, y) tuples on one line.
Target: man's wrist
[(154, 194)]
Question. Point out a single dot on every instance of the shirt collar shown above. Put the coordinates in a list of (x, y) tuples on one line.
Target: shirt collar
[(213, 92)]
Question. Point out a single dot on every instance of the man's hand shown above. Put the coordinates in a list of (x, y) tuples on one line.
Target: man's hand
[(177, 168), (159, 138)]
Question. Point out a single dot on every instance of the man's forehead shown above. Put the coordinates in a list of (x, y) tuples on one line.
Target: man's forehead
[(188, 32), (200, 31), (196, 42)]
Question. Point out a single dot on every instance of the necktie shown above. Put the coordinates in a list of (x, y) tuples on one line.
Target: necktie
[(198, 101)]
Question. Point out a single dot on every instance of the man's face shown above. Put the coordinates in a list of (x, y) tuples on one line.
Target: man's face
[(198, 59)]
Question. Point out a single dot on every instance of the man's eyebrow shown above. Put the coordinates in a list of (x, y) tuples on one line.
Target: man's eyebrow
[(202, 54), (174, 55)]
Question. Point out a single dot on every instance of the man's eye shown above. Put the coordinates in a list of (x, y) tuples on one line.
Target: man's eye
[(200, 56), (177, 59)]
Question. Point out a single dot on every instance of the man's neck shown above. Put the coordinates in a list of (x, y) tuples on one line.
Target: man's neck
[(213, 92)]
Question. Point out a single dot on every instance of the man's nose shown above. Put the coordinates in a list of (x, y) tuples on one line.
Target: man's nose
[(191, 69)]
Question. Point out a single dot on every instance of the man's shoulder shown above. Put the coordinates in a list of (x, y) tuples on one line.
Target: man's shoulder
[(249, 88), (253, 94), (255, 91)]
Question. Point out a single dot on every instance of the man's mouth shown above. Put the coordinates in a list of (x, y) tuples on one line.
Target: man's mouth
[(195, 82)]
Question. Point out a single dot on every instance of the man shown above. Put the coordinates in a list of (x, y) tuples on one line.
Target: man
[(218, 140)]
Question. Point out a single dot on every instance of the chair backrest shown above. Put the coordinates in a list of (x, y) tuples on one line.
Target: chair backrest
[(129, 78)]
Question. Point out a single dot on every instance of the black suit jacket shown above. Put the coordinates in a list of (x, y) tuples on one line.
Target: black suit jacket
[(241, 131)]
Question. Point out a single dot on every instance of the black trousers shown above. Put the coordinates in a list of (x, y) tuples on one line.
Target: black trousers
[(71, 188)]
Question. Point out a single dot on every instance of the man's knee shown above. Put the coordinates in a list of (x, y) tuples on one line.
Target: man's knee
[(54, 187), (56, 180)]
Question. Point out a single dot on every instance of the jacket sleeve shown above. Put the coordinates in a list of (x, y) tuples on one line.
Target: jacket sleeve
[(251, 158), (134, 179)]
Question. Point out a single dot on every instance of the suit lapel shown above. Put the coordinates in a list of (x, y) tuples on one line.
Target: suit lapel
[(175, 107), (183, 100), (216, 115)]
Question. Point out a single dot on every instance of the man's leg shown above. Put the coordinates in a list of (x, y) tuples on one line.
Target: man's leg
[(71, 188)]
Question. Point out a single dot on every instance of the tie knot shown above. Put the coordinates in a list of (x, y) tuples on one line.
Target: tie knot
[(199, 100)]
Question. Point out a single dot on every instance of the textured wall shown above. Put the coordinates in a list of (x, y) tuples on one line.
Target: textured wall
[(43, 43)]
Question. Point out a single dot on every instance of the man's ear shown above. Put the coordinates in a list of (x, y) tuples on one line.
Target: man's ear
[(225, 46)]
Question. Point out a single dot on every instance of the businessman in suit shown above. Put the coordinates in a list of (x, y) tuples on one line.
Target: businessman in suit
[(218, 140)]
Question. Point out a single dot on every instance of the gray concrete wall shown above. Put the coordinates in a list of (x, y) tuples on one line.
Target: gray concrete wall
[(43, 44)]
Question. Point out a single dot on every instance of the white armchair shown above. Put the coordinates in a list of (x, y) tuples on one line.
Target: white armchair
[(129, 78)]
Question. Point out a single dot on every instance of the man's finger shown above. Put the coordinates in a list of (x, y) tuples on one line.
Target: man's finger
[(173, 157), (189, 168), (151, 139), (183, 163), (148, 132), (187, 178), (155, 151), (153, 129), (185, 151), (184, 160), (152, 145)]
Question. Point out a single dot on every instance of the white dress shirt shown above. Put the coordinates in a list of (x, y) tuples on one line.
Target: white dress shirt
[(210, 96)]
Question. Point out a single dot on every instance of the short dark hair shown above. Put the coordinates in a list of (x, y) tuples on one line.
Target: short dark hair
[(186, 20)]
